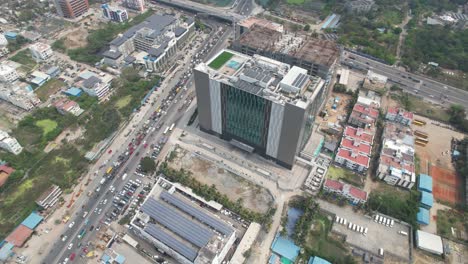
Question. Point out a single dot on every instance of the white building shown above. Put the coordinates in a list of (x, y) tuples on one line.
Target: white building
[(40, 51), (94, 85), (20, 95), (7, 74), (9, 143), (3, 46), (429, 242)]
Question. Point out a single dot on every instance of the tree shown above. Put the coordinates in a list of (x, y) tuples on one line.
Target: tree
[(458, 117), (130, 74), (397, 30), (307, 27), (148, 165)]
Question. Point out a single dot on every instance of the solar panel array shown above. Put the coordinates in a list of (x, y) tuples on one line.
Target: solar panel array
[(199, 215), (300, 80), (174, 221), (171, 242)]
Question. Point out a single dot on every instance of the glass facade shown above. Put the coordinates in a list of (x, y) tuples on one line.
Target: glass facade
[(245, 116)]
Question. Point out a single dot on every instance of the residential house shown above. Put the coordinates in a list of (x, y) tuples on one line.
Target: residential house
[(353, 194)]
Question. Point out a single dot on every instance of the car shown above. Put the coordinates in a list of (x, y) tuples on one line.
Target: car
[(105, 201), (64, 238), (71, 224), (99, 212), (65, 261), (70, 246), (91, 228), (110, 151)]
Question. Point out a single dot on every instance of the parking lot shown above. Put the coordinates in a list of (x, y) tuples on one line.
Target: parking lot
[(393, 243)]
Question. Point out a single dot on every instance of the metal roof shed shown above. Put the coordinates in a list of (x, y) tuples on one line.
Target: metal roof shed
[(285, 248), (427, 199), (425, 183), (6, 251), (429, 242), (32, 220), (423, 216), (318, 260)]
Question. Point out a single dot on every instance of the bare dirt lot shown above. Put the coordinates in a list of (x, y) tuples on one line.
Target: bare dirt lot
[(337, 115), (76, 38), (254, 197)]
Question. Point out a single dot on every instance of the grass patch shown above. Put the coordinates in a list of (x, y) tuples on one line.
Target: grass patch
[(123, 102), (24, 57), (319, 243), (221, 60), (47, 125), (52, 86), (446, 219), (295, 2), (347, 176)]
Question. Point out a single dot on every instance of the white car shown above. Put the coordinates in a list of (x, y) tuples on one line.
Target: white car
[(105, 201), (64, 238), (99, 212), (70, 246), (71, 224)]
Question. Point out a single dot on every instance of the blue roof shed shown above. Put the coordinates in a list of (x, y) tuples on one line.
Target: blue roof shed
[(106, 259), (73, 91), (317, 260), (5, 251), (285, 248), (423, 216), (32, 220), (120, 259), (10, 35), (425, 183), (427, 199)]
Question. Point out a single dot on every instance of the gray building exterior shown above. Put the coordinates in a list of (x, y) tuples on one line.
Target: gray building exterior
[(359, 6), (258, 104), (317, 56)]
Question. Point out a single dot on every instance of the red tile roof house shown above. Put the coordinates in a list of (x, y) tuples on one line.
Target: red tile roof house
[(5, 172), (67, 106), (399, 115), (353, 194), (359, 134), (352, 160), (363, 116)]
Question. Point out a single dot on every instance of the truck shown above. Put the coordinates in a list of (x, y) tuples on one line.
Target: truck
[(82, 233), (109, 170), (172, 127), (166, 130), (103, 180)]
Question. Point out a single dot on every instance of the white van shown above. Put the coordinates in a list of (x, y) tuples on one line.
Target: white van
[(124, 176), (387, 223), (403, 233), (392, 222), (345, 222), (365, 230), (337, 219), (381, 251), (376, 218), (350, 225), (381, 219)]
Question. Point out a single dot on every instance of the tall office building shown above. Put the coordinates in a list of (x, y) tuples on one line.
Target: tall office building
[(138, 5), (258, 104), (71, 8)]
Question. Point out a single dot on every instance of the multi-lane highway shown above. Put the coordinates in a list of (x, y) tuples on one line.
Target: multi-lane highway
[(422, 86), (95, 206)]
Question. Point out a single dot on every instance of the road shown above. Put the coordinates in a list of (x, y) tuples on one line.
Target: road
[(60, 249), (422, 86)]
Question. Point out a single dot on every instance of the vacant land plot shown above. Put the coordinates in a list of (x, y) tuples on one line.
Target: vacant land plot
[(49, 88), (76, 39), (452, 224), (47, 125), (422, 107), (348, 176), (24, 57), (447, 186), (253, 196), (5, 123), (335, 115), (221, 60), (437, 151)]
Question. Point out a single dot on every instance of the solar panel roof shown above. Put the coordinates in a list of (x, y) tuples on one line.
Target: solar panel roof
[(300, 80), (171, 242), (174, 221), (196, 213)]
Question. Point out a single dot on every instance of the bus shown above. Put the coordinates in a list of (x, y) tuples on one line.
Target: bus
[(82, 233), (109, 170), (172, 127), (165, 131)]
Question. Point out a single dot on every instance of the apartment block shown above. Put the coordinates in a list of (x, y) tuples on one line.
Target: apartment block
[(258, 104), (8, 74), (40, 51), (19, 94), (137, 5), (399, 115), (158, 37), (95, 85), (396, 162), (9, 143), (71, 8), (359, 6), (114, 13), (353, 194), (363, 116)]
